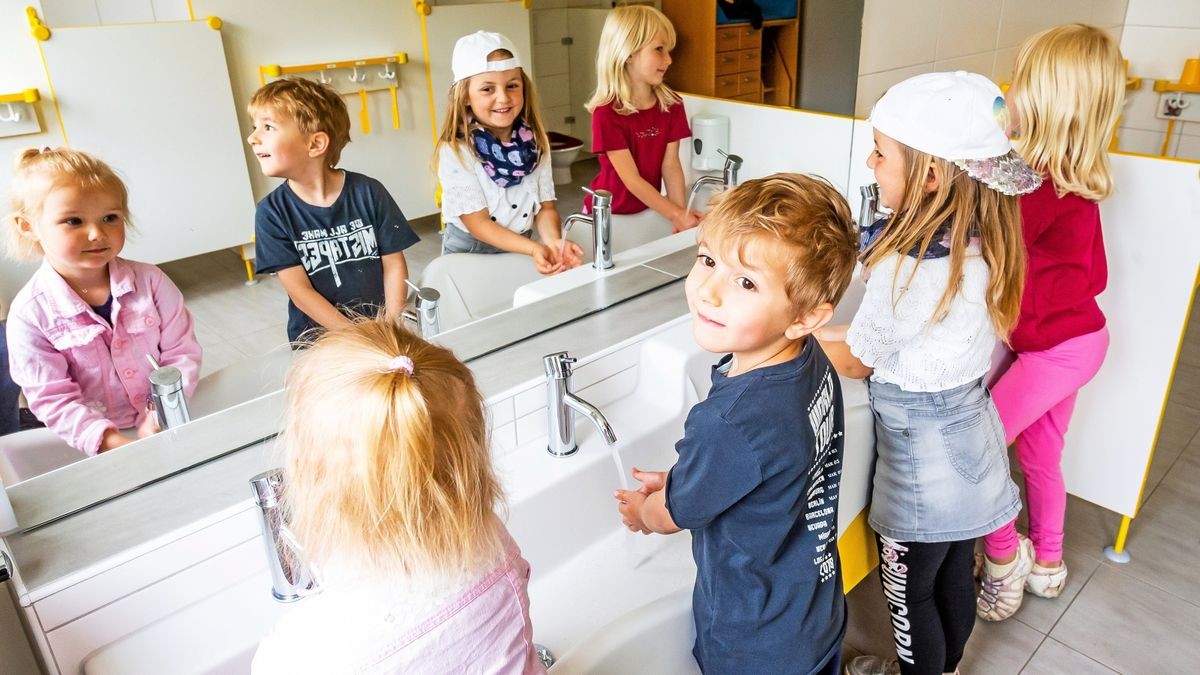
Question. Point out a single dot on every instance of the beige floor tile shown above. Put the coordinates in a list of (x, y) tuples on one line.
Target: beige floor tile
[(1089, 528), (870, 629), (1131, 626), (1000, 648), (1041, 614), (1055, 658), (1185, 388), (218, 355), (1181, 424), (262, 341)]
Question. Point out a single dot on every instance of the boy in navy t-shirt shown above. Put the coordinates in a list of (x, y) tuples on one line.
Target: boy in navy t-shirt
[(333, 237), (759, 465)]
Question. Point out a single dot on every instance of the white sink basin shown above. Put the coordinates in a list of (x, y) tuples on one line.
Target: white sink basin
[(590, 576)]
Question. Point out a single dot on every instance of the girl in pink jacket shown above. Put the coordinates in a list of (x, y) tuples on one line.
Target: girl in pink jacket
[(80, 330)]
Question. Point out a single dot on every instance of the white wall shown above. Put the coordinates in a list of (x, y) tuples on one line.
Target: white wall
[(1159, 36), (903, 39)]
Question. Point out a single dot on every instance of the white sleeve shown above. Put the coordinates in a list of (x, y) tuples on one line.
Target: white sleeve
[(461, 191), (544, 175), (891, 317)]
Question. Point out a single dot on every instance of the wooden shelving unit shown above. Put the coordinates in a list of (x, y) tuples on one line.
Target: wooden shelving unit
[(732, 61)]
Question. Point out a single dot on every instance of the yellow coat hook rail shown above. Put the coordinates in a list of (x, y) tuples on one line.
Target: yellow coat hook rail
[(274, 70), (27, 96)]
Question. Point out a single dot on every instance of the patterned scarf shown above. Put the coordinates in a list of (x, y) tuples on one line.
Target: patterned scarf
[(506, 163), (939, 247)]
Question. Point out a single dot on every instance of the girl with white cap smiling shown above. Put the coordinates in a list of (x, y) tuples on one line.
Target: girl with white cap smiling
[(945, 278), (493, 160)]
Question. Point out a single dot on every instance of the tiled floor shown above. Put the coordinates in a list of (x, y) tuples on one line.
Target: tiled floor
[(235, 321), (1141, 617)]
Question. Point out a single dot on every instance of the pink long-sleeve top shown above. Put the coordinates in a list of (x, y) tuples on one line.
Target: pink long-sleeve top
[(83, 377)]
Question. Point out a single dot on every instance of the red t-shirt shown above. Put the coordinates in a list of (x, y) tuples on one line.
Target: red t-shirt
[(1065, 269), (645, 134)]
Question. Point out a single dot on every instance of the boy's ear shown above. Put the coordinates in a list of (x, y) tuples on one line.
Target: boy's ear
[(318, 143), (24, 227), (810, 321)]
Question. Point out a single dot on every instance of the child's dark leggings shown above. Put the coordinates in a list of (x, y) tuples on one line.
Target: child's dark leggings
[(930, 593)]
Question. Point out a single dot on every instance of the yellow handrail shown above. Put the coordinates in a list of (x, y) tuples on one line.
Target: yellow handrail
[(26, 96)]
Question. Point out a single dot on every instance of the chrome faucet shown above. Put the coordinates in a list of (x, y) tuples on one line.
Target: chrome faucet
[(291, 579), (728, 179), (426, 314), (561, 402), (868, 208), (601, 222)]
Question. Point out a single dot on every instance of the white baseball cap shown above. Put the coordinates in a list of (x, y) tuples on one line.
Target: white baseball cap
[(959, 117), (471, 55)]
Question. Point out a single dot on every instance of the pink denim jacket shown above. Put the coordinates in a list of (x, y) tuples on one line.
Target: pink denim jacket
[(83, 377)]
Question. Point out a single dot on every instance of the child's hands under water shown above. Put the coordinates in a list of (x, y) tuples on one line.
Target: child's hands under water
[(685, 220), (149, 424), (630, 502), (556, 255)]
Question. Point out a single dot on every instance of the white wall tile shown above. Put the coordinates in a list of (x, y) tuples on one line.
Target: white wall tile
[(548, 4), (1139, 110), (550, 58), (1108, 12), (504, 439), (1159, 52), (872, 86), (1189, 147), (1190, 128), (125, 11), (1140, 141), (57, 13), (1023, 18), (170, 10), (1176, 13), (898, 34), (531, 427), (975, 63), (549, 26), (554, 90), (553, 118), (1002, 66), (529, 400), (968, 27), (501, 412)]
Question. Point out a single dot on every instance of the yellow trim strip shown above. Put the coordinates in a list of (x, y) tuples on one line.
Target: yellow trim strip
[(191, 12), (1167, 139), (41, 33), (856, 548), (423, 11), (1122, 534), (26, 96)]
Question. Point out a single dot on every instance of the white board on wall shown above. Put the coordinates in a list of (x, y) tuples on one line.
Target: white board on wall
[(154, 101), (447, 23)]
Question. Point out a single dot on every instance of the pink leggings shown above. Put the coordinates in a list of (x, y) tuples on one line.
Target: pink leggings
[(1035, 398)]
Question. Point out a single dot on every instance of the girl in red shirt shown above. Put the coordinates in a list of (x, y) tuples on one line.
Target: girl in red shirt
[(1067, 89), (637, 120)]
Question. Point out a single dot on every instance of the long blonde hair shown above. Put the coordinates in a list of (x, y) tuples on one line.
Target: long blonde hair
[(1067, 90), (384, 468), (626, 30), (456, 127), (973, 210), (36, 173)]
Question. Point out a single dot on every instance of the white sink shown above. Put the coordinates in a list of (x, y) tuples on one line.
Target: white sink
[(590, 576)]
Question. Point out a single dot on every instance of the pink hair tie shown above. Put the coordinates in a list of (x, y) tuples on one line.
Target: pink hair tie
[(400, 364)]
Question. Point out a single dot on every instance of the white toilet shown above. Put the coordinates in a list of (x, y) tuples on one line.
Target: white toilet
[(564, 150)]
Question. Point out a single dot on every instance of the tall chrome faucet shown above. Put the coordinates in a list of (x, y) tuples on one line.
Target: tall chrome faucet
[(601, 222), (291, 578), (426, 315), (728, 179), (561, 402), (868, 208)]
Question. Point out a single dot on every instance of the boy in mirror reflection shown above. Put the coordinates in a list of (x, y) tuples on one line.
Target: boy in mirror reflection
[(759, 469), (335, 238), (80, 331)]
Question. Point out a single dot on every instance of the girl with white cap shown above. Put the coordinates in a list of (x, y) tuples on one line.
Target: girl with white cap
[(946, 271), (493, 160)]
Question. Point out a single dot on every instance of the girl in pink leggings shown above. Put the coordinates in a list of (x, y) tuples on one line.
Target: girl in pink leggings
[(1067, 89)]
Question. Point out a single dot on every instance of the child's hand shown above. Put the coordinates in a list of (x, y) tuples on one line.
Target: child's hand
[(685, 220), (113, 439), (546, 259), (570, 255), (630, 506), (149, 424), (652, 481)]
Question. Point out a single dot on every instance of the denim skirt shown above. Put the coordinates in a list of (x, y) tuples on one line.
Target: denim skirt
[(941, 471)]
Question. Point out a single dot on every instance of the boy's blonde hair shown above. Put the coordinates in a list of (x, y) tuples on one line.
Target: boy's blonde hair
[(973, 210), (383, 468), (626, 30), (36, 173), (1067, 90), (802, 220), (314, 106), (456, 127)]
